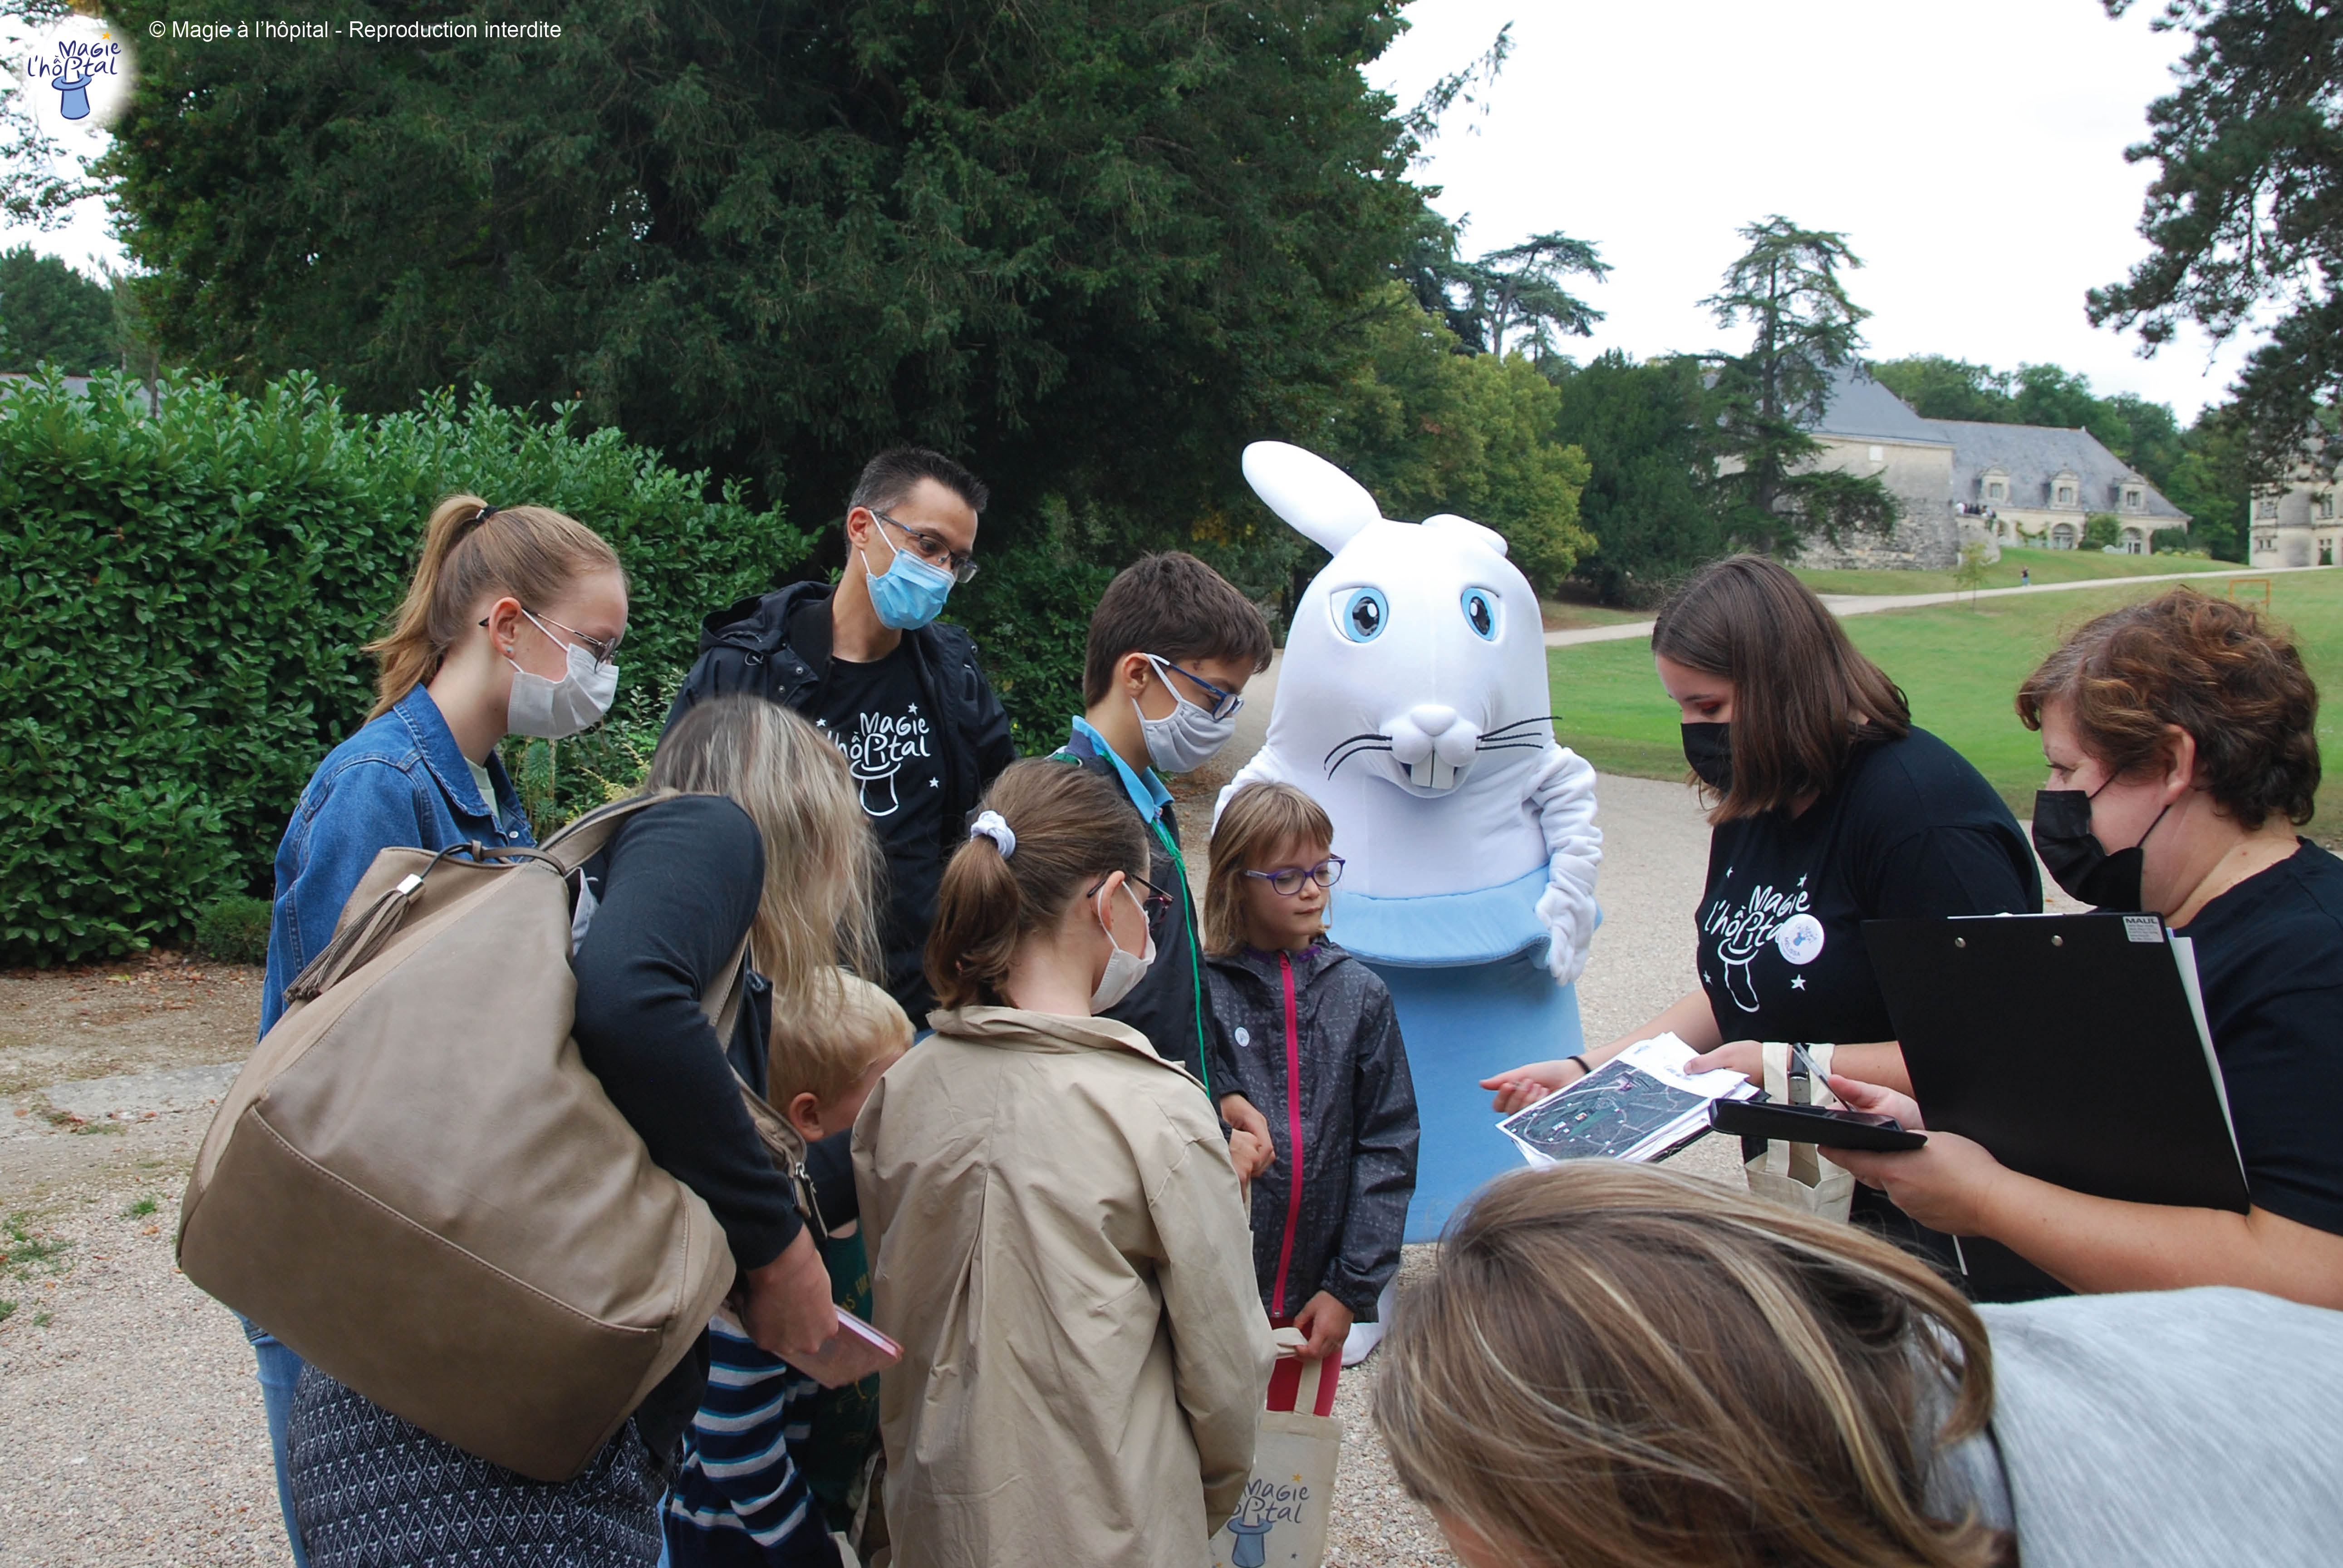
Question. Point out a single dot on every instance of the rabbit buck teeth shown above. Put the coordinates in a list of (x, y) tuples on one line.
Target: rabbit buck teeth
[(1435, 744)]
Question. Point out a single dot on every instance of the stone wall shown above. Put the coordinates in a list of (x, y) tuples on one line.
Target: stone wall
[(1926, 539)]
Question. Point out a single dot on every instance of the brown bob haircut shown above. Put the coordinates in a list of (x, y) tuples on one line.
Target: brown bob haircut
[(1072, 828), (1803, 700), (1615, 1366), (1174, 607), (1256, 820), (2214, 669)]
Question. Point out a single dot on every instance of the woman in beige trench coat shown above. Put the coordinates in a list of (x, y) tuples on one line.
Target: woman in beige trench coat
[(1061, 1248)]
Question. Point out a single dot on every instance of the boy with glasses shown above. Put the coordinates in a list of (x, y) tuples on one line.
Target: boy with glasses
[(901, 696), (1171, 645)]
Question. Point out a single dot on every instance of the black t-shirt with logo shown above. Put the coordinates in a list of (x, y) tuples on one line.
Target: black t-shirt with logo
[(1910, 829), (877, 714)]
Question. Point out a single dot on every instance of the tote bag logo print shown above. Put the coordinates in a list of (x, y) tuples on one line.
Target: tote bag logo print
[(1742, 934)]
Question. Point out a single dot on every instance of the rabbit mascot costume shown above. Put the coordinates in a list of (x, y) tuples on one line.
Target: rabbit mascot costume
[(1412, 705)]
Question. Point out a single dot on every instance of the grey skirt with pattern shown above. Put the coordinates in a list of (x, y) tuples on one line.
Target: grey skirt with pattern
[(370, 1491)]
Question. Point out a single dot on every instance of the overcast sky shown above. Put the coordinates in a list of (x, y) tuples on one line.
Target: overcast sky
[(1971, 151)]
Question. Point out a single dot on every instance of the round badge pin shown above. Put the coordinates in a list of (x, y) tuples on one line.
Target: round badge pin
[(1800, 937)]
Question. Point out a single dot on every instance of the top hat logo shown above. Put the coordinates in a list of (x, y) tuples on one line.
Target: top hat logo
[(87, 66)]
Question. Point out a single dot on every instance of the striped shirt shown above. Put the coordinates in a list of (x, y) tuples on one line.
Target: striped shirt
[(739, 1497)]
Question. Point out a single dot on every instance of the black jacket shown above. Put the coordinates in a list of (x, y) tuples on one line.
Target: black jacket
[(777, 646), (1340, 1044), (1167, 1004)]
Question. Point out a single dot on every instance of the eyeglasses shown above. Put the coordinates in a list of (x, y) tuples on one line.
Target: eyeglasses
[(604, 649), (1287, 879), (1154, 901), (932, 548), (1223, 704)]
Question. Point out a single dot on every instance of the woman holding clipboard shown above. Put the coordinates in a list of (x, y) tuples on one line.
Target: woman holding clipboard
[(1831, 808), (2183, 732)]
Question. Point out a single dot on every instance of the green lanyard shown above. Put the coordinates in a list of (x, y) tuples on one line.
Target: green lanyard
[(1196, 964)]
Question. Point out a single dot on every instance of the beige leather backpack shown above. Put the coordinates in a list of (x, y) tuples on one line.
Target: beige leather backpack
[(418, 1185)]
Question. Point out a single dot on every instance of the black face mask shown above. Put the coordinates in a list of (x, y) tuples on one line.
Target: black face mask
[(2078, 862), (1709, 748)]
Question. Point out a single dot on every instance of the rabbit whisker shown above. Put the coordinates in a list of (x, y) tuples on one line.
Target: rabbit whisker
[(1368, 734), (1354, 752), (1504, 729), (1524, 744)]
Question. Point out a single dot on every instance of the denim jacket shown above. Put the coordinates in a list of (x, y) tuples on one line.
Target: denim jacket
[(400, 780)]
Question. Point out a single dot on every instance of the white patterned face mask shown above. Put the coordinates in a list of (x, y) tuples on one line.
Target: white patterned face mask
[(1123, 970), (557, 709)]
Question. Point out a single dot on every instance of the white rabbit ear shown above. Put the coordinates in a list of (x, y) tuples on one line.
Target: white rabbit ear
[(1325, 504), (1481, 534)]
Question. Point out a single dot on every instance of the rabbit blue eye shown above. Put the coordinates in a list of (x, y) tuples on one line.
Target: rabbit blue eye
[(1481, 613), (1363, 615)]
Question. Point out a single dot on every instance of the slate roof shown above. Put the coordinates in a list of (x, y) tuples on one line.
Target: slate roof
[(2033, 456), (1861, 410)]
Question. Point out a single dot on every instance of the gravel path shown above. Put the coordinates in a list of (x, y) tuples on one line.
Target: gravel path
[(131, 1429)]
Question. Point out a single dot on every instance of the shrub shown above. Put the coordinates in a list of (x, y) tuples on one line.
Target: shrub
[(2171, 542), (183, 598), (2102, 529), (234, 930), (1029, 611)]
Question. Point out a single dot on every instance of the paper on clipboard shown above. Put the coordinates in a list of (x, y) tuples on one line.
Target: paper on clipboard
[(1640, 1105)]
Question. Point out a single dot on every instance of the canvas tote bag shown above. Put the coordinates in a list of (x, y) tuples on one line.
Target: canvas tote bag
[(1282, 1520), (1795, 1175), (417, 1184)]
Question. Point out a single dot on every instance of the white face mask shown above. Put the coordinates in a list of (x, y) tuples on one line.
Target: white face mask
[(1123, 970), (1182, 738), (555, 710)]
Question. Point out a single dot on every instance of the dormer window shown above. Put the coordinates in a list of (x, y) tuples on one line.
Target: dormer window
[(1994, 487), (2325, 505), (2065, 488), (2131, 498), (2066, 495)]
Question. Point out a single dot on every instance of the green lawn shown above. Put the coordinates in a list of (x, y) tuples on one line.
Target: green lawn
[(2048, 567), (1960, 666)]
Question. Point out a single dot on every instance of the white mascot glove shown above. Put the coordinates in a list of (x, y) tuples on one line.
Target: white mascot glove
[(1563, 793)]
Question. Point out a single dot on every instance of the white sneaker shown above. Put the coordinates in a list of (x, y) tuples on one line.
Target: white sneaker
[(1363, 1338)]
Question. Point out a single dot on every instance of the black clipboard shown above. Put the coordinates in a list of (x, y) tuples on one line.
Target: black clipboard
[(2071, 1047)]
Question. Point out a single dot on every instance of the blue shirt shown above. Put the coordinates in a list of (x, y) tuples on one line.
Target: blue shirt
[(1145, 789), (401, 780)]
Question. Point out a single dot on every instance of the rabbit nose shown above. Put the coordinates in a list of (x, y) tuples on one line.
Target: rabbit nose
[(1431, 718)]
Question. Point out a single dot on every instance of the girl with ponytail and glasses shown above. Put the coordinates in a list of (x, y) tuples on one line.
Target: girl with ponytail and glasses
[(510, 625), (1060, 1248)]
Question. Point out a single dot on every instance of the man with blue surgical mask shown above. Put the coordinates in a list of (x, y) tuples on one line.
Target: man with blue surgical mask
[(866, 662)]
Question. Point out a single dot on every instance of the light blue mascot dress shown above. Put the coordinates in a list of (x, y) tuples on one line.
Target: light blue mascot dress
[(1412, 705)]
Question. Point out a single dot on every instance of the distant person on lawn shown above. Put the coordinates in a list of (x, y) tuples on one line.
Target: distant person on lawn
[(902, 697), (510, 625)]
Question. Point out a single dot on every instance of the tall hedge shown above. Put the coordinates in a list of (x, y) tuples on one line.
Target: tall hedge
[(183, 596)]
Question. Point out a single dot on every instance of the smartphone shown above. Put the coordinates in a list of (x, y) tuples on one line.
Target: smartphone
[(853, 1354), (1811, 1124)]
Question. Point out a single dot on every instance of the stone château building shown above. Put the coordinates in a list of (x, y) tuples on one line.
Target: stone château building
[(1960, 479), (2294, 523)]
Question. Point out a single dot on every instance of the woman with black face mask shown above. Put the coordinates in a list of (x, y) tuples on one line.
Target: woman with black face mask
[(1830, 810), (2182, 740)]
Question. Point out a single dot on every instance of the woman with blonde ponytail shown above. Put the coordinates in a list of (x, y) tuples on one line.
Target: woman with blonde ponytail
[(1056, 1221), (510, 625)]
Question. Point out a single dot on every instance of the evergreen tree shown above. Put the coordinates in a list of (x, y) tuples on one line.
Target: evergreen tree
[(1646, 431), (1787, 286), (1091, 245), (2246, 207)]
